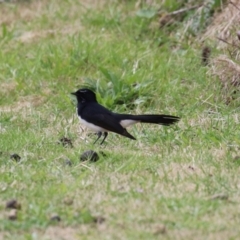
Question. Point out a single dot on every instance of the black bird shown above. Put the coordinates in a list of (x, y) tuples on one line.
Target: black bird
[(101, 120)]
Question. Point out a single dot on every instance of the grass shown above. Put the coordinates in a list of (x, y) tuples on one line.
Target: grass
[(164, 185)]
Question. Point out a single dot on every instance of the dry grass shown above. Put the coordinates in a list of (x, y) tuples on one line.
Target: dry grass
[(15, 14), (226, 66), (7, 87), (227, 71), (56, 233), (23, 104), (24, 12), (224, 25)]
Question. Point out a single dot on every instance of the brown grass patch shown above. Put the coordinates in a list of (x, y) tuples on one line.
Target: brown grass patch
[(224, 24), (226, 66), (24, 103), (13, 14), (199, 235), (25, 12), (63, 233), (35, 35), (7, 87), (227, 71)]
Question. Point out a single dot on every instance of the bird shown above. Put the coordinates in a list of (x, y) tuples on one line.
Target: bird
[(101, 120)]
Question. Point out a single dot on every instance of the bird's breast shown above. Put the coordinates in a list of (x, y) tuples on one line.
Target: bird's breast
[(91, 126)]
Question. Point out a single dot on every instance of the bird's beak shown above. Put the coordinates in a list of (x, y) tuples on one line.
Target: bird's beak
[(73, 93)]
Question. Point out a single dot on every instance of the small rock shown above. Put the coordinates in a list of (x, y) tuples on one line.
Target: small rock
[(220, 196), (103, 154), (99, 220), (55, 218), (13, 204), (238, 35), (15, 157), (68, 201), (237, 158), (206, 51), (68, 162), (89, 155), (12, 214), (191, 168), (66, 142), (160, 229)]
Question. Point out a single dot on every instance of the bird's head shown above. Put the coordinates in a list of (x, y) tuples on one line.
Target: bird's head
[(85, 95)]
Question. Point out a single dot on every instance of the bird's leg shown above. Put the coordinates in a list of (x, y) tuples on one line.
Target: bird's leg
[(105, 135), (99, 135)]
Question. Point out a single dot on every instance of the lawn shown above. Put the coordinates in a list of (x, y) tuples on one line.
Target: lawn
[(178, 182)]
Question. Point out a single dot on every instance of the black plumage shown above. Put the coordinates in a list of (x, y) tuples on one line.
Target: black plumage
[(101, 120)]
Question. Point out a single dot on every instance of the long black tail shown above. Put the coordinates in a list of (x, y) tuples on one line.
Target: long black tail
[(157, 119)]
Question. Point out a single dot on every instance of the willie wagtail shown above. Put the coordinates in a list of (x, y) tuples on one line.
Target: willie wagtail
[(101, 120)]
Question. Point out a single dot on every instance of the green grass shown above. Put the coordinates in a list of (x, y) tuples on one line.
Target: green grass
[(159, 186)]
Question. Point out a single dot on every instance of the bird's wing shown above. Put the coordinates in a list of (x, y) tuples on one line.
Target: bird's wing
[(102, 117)]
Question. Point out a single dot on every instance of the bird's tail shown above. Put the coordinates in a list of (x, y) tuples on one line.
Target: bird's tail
[(157, 119)]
